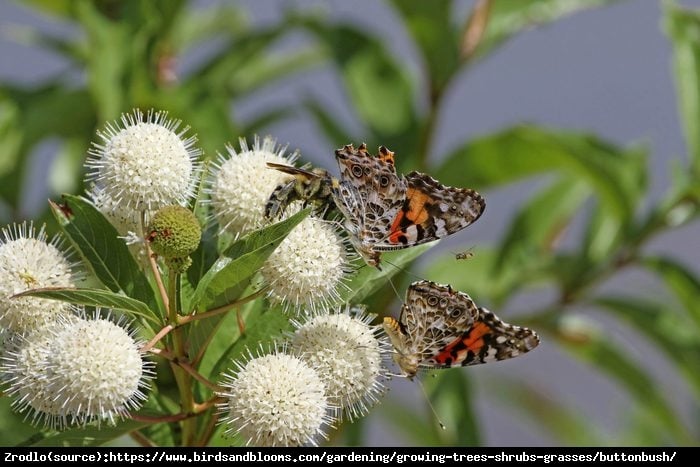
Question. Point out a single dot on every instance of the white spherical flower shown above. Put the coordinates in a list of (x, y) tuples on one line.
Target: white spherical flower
[(240, 184), (97, 370), (348, 353), (28, 261), (275, 400), (25, 373), (125, 220), (77, 371), (309, 266), (145, 163)]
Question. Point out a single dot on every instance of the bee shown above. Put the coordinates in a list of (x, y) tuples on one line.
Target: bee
[(309, 185), (466, 254)]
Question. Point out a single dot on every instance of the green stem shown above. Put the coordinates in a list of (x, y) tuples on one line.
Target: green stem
[(182, 377)]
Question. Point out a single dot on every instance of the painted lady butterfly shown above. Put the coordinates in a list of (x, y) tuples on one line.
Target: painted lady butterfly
[(383, 210), (443, 328)]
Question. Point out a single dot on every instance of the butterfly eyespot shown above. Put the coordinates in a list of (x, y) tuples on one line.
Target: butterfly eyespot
[(433, 300), (455, 312), (368, 172), (357, 170), (384, 181), (443, 302)]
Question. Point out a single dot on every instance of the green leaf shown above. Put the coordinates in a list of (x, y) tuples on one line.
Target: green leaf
[(377, 85), (510, 17), (429, 24), (668, 329), (369, 279), (240, 261), (263, 327), (536, 228), (14, 429), (90, 436), (590, 345), (681, 281), (110, 43), (262, 70), (617, 176), (452, 395), (480, 278), (98, 244), (562, 422), (411, 421), (332, 128), (683, 27), (96, 297), (61, 8), (200, 24)]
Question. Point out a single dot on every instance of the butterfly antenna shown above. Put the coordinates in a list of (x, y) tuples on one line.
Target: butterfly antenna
[(430, 404), (416, 276), (396, 292)]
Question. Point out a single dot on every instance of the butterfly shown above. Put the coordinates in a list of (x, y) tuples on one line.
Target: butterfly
[(443, 328), (383, 210)]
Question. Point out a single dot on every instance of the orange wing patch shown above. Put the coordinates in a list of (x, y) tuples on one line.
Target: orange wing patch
[(457, 351)]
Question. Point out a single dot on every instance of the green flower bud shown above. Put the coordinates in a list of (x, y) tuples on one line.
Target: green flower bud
[(174, 232)]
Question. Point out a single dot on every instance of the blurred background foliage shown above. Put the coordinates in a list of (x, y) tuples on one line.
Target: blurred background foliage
[(590, 218)]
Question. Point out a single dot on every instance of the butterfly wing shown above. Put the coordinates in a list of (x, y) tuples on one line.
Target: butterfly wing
[(431, 211), (431, 317), (489, 339), (370, 195)]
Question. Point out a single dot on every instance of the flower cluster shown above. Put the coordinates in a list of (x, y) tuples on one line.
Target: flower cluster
[(69, 365), (330, 367)]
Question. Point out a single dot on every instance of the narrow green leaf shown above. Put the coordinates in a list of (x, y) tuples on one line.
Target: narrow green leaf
[(83, 437), (96, 297), (334, 130), (240, 261), (378, 86), (683, 27), (510, 17), (480, 278), (411, 421), (595, 348), (262, 70), (452, 395), (369, 279), (200, 24), (537, 226), (430, 26), (680, 280), (263, 327), (60, 8), (108, 59), (666, 328), (14, 429), (98, 244), (617, 176)]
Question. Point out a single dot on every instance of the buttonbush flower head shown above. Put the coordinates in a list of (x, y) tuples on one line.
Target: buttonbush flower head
[(348, 353), (126, 220), (78, 371), (310, 265), (24, 371), (29, 261), (144, 163), (275, 400), (240, 184)]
